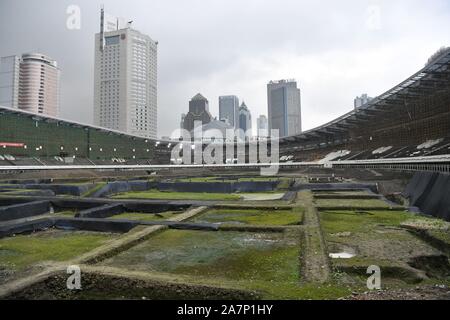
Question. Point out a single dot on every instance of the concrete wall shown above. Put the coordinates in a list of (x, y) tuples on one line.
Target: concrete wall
[(218, 187), (430, 192), (23, 210), (122, 186)]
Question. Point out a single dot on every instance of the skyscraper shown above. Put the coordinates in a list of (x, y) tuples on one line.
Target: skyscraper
[(9, 81), (198, 112), (125, 84), (245, 122), (262, 126), (30, 83), (284, 107), (362, 100), (183, 115), (229, 110)]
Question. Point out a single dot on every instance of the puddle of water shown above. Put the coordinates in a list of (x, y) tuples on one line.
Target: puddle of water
[(346, 253), (342, 255), (262, 196)]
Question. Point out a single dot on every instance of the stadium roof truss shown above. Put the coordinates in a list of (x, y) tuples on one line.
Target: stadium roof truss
[(434, 77)]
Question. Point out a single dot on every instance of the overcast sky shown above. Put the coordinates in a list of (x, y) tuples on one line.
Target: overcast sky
[(334, 49)]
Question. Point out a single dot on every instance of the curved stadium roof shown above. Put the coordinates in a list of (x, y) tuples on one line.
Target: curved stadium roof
[(434, 76)]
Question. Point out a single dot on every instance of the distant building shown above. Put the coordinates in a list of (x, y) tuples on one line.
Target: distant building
[(125, 80), (262, 126), (229, 110), (30, 83), (183, 115), (284, 107), (245, 122), (9, 81), (198, 113), (362, 100), (215, 130)]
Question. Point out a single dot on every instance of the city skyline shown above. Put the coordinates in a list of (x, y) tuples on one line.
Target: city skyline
[(364, 54)]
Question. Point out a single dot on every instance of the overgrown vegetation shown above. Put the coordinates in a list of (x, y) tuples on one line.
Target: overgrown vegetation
[(55, 245), (90, 192), (266, 262), (169, 195), (146, 216), (362, 203), (253, 216)]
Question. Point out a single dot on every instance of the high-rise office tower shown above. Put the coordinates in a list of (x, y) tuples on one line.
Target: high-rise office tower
[(245, 122), (198, 113), (284, 107), (125, 84), (262, 126), (30, 83), (9, 81), (229, 110), (362, 100)]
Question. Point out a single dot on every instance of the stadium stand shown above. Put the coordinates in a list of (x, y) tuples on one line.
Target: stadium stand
[(411, 120)]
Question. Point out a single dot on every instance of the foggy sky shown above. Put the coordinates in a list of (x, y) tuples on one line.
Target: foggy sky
[(336, 50)]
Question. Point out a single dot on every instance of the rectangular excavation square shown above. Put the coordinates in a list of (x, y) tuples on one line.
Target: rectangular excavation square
[(168, 195), (358, 239), (256, 261), (349, 203), (21, 254), (141, 216), (258, 217)]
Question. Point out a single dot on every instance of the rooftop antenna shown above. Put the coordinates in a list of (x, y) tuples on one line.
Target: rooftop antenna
[(102, 28)]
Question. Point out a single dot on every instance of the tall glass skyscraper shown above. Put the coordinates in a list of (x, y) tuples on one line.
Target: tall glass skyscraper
[(229, 110), (284, 107)]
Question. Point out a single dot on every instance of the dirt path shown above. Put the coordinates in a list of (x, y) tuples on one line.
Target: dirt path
[(315, 263)]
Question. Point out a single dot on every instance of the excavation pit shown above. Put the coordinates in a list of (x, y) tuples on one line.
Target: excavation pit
[(257, 217), (374, 239), (22, 254), (265, 261)]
